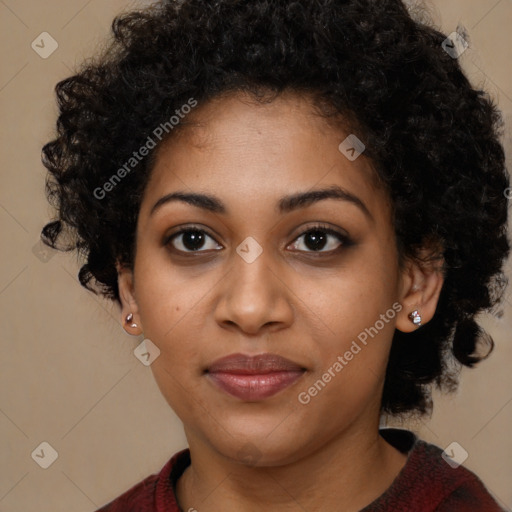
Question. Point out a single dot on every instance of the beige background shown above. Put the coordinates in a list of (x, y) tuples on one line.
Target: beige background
[(68, 374)]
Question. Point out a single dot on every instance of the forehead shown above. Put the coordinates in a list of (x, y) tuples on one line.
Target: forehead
[(285, 114), (241, 147)]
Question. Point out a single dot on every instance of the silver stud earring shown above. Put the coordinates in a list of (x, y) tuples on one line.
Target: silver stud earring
[(129, 319), (415, 318)]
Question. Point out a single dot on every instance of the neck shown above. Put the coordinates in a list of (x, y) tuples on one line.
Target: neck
[(347, 473)]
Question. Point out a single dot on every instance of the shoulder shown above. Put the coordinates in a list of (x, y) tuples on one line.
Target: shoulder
[(450, 486), (432, 482), (139, 497), (155, 492)]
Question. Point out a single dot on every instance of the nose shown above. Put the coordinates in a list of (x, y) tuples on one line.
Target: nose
[(254, 297)]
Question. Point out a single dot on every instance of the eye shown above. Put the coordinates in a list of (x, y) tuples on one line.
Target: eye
[(317, 239), (192, 240), (320, 237)]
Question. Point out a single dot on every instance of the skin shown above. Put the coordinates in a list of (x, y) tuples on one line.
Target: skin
[(308, 307)]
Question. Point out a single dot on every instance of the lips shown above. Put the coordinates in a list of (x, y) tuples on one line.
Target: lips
[(253, 378)]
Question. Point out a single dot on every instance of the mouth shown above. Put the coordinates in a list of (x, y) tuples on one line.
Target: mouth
[(253, 378)]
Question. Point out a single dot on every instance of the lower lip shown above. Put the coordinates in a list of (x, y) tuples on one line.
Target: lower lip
[(254, 387)]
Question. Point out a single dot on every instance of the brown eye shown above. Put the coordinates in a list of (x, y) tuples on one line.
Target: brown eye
[(192, 240), (317, 239)]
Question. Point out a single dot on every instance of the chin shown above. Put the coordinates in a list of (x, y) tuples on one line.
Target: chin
[(259, 450)]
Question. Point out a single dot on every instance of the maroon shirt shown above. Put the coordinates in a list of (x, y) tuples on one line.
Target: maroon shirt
[(425, 484)]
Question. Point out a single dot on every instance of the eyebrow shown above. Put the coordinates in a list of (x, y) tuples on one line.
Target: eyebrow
[(285, 204)]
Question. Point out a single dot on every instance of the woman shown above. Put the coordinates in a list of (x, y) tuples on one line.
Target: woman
[(300, 205)]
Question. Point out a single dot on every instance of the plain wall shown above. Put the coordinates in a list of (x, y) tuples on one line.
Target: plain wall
[(68, 375)]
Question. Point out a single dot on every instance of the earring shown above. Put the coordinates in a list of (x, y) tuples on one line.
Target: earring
[(415, 318), (129, 319)]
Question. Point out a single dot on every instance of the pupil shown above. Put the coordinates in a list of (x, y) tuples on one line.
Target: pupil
[(193, 240), (317, 239)]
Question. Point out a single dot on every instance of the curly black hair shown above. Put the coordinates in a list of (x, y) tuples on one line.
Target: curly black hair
[(432, 137)]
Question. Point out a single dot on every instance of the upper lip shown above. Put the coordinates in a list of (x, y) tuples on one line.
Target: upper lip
[(253, 365)]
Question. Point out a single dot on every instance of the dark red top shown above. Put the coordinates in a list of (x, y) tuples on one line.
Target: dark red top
[(425, 484)]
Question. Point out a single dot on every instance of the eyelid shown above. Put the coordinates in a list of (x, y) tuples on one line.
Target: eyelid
[(322, 226)]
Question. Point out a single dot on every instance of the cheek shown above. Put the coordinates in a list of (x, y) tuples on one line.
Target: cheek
[(351, 355), (355, 320), (167, 296), (171, 304), (353, 298)]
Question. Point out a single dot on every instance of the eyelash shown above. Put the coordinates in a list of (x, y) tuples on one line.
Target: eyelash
[(344, 240)]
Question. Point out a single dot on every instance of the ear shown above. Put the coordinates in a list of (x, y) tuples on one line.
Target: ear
[(421, 286), (129, 305)]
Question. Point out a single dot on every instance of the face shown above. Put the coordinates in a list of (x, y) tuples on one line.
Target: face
[(254, 268)]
